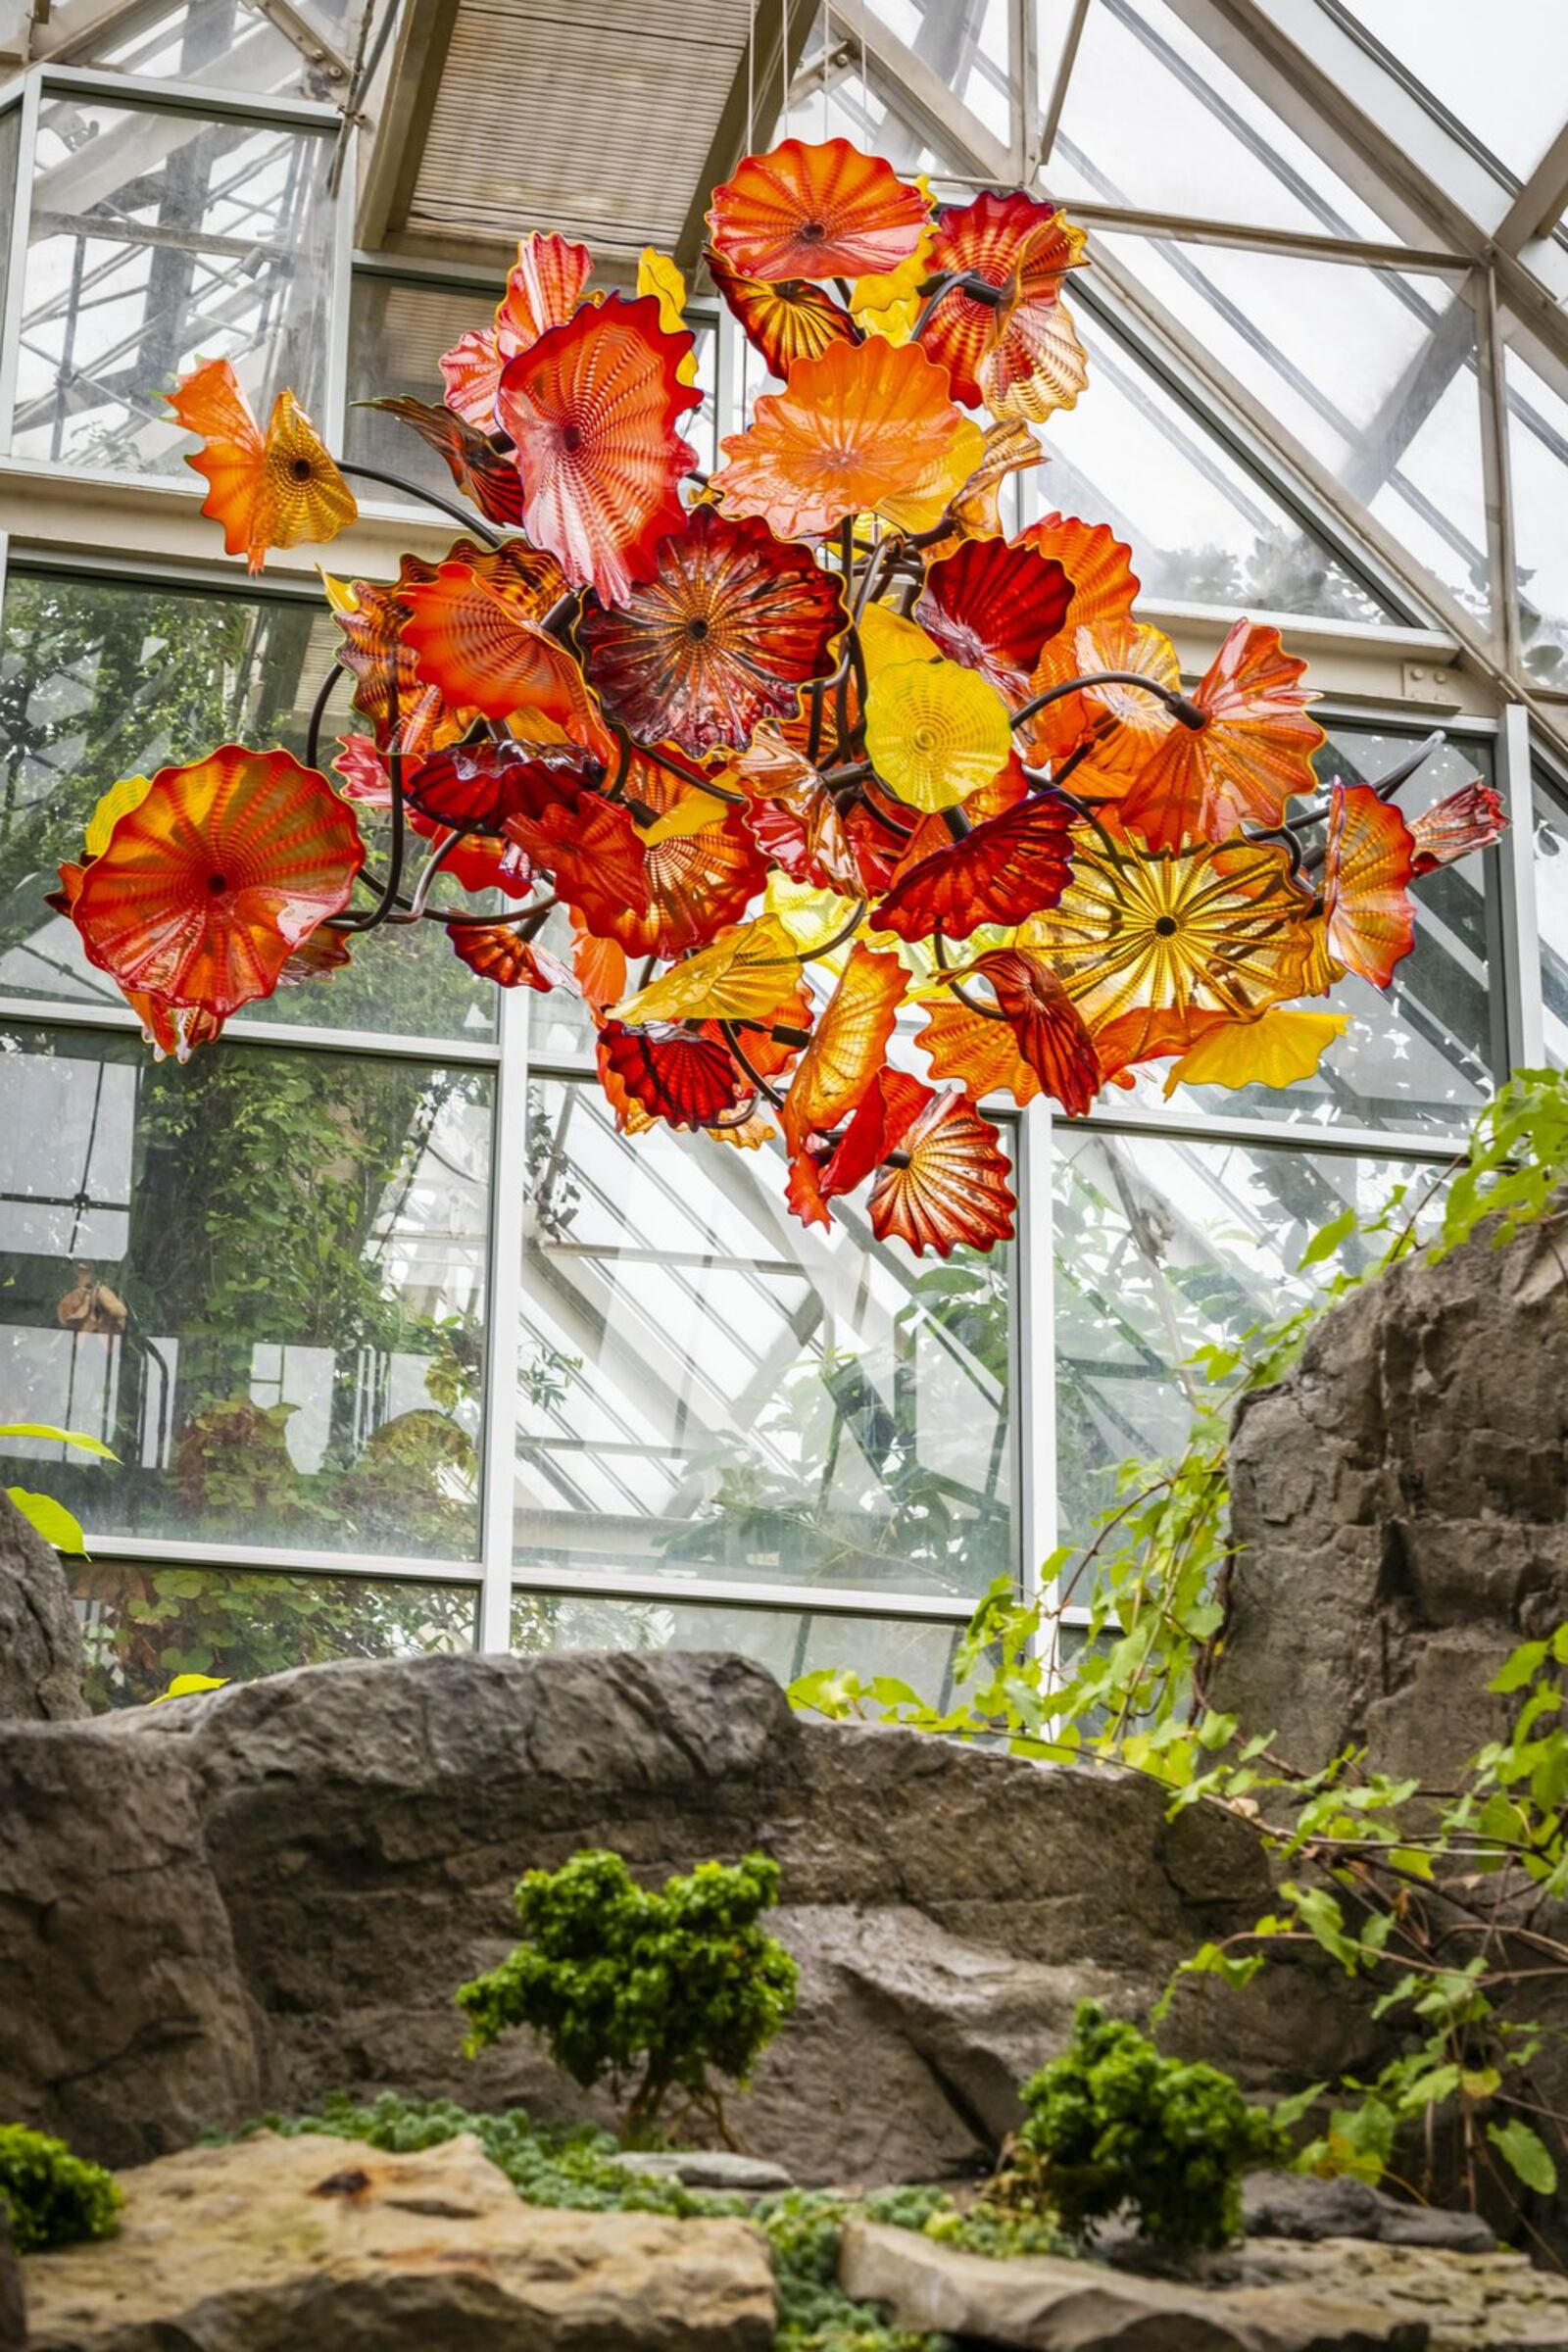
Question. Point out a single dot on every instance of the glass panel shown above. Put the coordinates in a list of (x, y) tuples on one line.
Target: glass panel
[(1537, 455), (259, 1279), (10, 148), (144, 1622), (1417, 1059), (1156, 120), (1506, 86), (228, 44), (100, 679), (709, 1389), (1551, 918), (1203, 530), (1161, 1245), (789, 1642), (1372, 371), (155, 239), (964, 42)]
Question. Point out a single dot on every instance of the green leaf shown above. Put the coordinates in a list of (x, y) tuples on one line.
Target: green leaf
[(56, 1525), (56, 1437), (1519, 1668), (1329, 1237), (1527, 2153)]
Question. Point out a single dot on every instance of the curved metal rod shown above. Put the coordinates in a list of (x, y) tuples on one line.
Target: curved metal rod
[(1180, 706), (987, 1013), (470, 520), (312, 731), (738, 1051)]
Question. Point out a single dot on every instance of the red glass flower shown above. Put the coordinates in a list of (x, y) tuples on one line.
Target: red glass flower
[(213, 880), (681, 1075), (815, 212), (1011, 866), (544, 288), (1471, 818), (1051, 1033), (944, 1180), (995, 608), (731, 625), (593, 409), (497, 951), (481, 468)]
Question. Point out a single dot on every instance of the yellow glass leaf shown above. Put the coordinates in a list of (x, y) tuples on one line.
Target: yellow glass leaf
[(936, 732), (342, 596), (741, 977), (693, 811), (887, 638), (809, 915), (659, 275), (118, 802), (1275, 1051), (922, 503), (888, 305)]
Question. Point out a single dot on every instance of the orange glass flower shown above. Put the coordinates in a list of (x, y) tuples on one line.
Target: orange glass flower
[(1253, 754), (480, 646), (593, 408), (993, 608), (944, 1180), (1367, 865), (867, 428), (497, 951), (731, 625), (1018, 353), (1009, 447), (815, 212), (847, 1047), (211, 881), (277, 489), (788, 322), (979, 1051)]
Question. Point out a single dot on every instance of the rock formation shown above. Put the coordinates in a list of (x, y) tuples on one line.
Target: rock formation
[(1402, 1503), (281, 2245), (40, 1646), (242, 1901)]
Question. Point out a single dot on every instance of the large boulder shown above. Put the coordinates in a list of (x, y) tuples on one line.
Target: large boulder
[(40, 1640), (1400, 1505), (275, 2244), (248, 1900)]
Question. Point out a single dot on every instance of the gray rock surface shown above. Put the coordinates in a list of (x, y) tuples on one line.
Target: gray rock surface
[(286, 2245), (1401, 1502), (1040, 2304), (1296, 2205), (247, 1899), (40, 1643)]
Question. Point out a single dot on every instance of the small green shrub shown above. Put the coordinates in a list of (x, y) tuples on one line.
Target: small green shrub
[(53, 2198), (1113, 2123), (653, 1989)]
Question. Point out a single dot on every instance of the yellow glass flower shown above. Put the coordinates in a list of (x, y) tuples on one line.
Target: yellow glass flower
[(935, 732), (1278, 1050), (741, 976)]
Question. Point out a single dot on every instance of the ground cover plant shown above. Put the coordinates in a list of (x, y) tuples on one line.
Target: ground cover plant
[(665, 1992), (51, 2197), (1442, 1902)]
